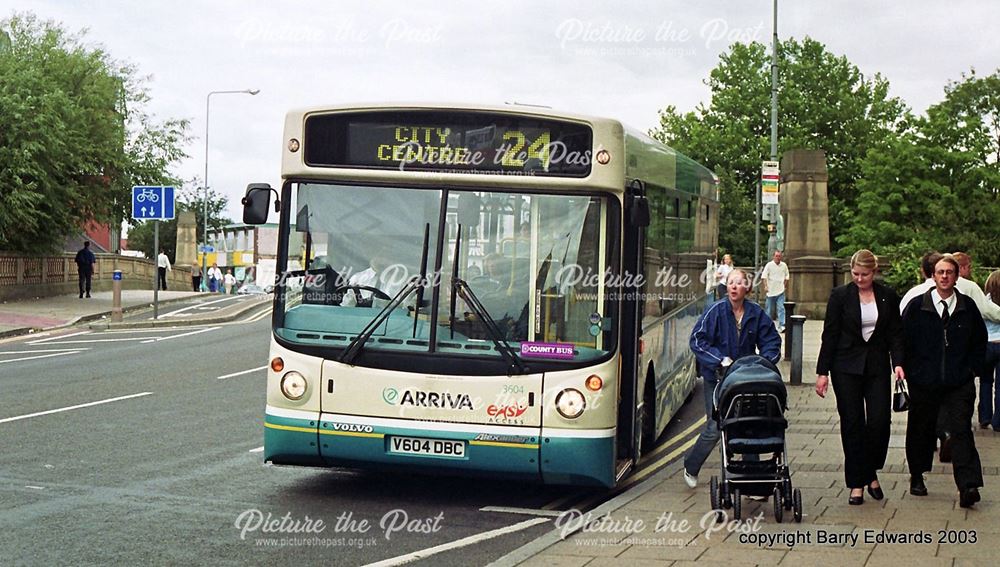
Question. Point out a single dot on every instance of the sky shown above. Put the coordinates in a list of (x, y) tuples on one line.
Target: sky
[(621, 59)]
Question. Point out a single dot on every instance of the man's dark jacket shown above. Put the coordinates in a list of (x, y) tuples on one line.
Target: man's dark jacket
[(85, 261), (844, 349), (927, 361)]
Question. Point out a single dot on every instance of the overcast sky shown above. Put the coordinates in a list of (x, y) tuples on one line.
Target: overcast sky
[(619, 59)]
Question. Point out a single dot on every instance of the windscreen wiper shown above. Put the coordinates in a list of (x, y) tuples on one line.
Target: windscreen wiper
[(460, 287), (358, 342)]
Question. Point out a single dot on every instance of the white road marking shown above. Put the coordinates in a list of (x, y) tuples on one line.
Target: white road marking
[(34, 487), (87, 405), (40, 356), (260, 315), (3, 352), (199, 331), (40, 341), (197, 306), (87, 342), (142, 330), (257, 450), (241, 373), (473, 539), (524, 511)]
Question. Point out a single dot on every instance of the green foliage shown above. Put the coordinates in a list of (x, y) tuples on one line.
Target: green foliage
[(824, 102), (74, 136), (936, 187)]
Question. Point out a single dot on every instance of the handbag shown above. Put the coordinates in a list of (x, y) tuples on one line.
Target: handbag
[(900, 397)]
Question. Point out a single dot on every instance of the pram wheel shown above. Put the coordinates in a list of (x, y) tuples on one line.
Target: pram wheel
[(787, 493), (737, 505), (797, 499), (778, 507), (716, 500)]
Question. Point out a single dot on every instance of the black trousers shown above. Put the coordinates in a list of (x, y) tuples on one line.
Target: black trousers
[(954, 406), (863, 402), (196, 283), (85, 278), (163, 277)]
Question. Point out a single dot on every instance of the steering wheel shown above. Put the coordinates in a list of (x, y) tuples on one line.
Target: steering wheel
[(361, 302)]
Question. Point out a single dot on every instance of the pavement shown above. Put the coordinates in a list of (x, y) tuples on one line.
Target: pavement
[(662, 522), (47, 313)]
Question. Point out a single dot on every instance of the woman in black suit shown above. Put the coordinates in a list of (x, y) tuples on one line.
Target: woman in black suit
[(862, 329)]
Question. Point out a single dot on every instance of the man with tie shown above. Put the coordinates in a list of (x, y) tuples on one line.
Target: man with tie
[(944, 344)]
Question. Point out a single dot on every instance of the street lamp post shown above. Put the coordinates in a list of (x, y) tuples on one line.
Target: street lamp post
[(204, 253)]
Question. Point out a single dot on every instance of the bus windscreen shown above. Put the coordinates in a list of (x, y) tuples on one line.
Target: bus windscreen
[(488, 143)]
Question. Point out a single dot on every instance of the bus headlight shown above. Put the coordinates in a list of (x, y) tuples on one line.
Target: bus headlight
[(570, 403), (293, 385)]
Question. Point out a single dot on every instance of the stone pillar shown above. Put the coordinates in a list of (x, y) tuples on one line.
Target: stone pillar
[(187, 236), (806, 210)]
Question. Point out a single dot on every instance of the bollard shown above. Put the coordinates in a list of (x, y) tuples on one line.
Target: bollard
[(796, 328), (116, 296), (789, 311)]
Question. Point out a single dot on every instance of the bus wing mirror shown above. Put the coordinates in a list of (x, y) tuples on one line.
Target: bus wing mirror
[(256, 201), (640, 211)]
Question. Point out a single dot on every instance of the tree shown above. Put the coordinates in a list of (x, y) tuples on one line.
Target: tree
[(937, 187), (140, 236), (74, 136), (824, 103)]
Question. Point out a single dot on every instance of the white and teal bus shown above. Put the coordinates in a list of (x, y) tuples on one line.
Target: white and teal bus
[(502, 291)]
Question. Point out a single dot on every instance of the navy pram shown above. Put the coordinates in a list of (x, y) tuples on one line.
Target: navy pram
[(749, 403)]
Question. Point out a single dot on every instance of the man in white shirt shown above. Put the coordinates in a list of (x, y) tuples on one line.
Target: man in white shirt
[(775, 277), (163, 266)]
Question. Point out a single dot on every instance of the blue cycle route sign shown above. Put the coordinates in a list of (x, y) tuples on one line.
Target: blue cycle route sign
[(152, 202)]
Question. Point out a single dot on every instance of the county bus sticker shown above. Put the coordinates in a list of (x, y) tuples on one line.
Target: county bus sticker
[(559, 351)]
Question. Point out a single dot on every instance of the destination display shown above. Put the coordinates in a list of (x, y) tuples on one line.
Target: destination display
[(465, 142)]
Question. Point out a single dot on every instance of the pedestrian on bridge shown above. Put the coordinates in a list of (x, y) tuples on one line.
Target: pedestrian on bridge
[(85, 261), (163, 266)]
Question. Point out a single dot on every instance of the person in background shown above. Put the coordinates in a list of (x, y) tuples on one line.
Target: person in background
[(196, 277), (944, 343), (989, 379), (731, 328), (214, 278), (229, 280), (927, 263), (162, 267), (862, 329), (721, 273), (775, 277), (85, 261)]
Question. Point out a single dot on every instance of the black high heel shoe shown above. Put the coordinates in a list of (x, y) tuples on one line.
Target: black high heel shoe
[(876, 492), (856, 500)]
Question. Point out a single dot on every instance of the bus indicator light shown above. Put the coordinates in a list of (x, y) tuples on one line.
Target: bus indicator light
[(604, 157), (594, 383), (293, 145), (277, 364)]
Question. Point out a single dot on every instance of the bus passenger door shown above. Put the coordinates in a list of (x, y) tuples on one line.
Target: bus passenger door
[(635, 221)]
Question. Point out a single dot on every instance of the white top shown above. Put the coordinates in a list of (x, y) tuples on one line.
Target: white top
[(214, 273), (869, 316), (162, 261), (230, 279), (775, 275), (722, 272)]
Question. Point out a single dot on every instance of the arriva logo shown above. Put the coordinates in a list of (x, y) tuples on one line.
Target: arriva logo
[(390, 395), (420, 399)]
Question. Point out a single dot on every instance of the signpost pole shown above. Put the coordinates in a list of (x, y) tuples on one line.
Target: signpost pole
[(156, 268)]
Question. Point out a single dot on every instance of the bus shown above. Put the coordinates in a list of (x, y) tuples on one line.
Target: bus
[(498, 291)]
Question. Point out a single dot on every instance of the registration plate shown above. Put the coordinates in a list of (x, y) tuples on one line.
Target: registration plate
[(420, 446)]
